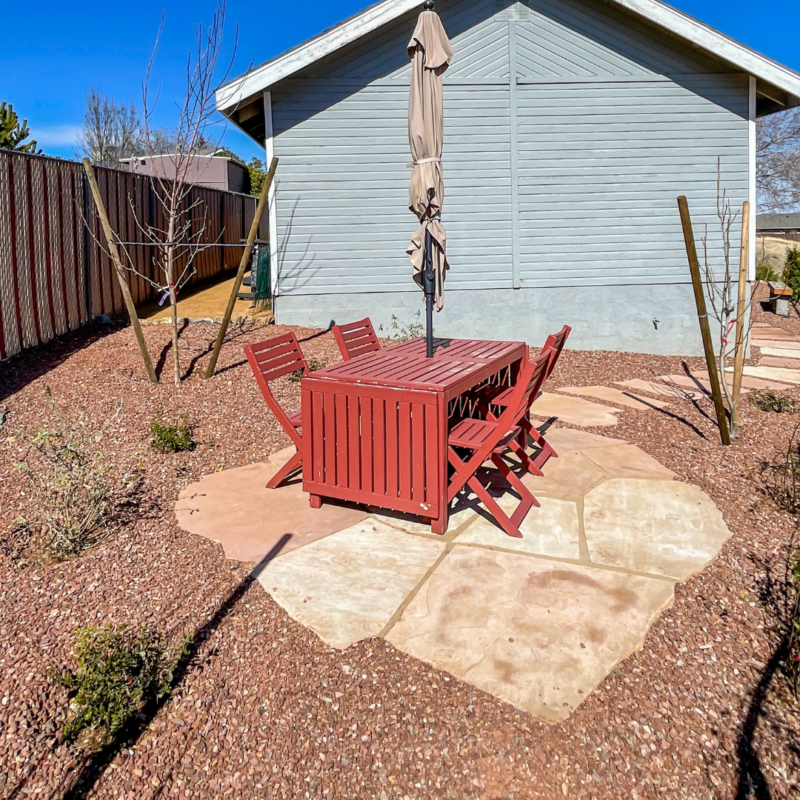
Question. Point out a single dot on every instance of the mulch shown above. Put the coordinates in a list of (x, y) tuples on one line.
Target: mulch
[(264, 709)]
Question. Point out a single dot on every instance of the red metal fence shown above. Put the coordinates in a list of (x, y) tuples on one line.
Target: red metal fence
[(54, 276)]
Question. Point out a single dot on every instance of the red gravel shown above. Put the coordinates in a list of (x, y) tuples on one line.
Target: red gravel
[(265, 709)]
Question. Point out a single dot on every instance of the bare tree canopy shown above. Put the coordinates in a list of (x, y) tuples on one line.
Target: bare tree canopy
[(778, 165), (111, 130)]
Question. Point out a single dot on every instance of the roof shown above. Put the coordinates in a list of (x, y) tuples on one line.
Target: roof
[(199, 154), (777, 222), (696, 33)]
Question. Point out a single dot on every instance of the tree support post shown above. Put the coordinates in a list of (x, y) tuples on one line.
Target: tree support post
[(237, 284), (702, 315), (119, 269)]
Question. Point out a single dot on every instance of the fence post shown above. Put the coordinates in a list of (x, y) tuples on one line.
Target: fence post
[(87, 256)]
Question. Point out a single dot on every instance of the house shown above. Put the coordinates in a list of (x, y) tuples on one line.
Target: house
[(571, 126), (206, 169), (778, 224)]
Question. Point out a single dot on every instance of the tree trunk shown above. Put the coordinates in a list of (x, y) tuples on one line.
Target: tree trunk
[(173, 299)]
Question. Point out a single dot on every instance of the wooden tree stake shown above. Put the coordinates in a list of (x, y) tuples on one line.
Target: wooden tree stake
[(702, 315), (119, 269), (237, 284), (740, 310)]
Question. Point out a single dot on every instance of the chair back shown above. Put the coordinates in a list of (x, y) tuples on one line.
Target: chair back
[(356, 338), (529, 382), (274, 358), (556, 341)]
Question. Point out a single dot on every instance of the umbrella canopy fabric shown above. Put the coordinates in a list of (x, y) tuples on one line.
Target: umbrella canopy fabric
[(430, 53)]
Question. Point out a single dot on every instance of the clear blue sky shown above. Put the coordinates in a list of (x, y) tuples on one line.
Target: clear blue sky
[(53, 51)]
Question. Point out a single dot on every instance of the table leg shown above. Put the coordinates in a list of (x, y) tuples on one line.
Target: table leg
[(315, 500), (439, 524)]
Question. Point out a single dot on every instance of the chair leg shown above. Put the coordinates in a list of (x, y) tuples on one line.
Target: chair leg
[(499, 515), (286, 470)]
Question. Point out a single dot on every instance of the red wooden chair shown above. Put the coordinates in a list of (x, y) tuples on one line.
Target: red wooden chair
[(356, 338), (555, 342), (490, 439), (271, 359)]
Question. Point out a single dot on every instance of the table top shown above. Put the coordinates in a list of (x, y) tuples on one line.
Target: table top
[(457, 364)]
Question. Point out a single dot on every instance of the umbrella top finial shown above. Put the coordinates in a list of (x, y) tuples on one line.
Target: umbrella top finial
[(428, 5)]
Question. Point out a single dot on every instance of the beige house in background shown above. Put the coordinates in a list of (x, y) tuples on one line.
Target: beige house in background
[(205, 169)]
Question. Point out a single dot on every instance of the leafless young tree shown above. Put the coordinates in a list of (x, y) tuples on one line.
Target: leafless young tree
[(722, 293), (178, 230), (778, 161), (111, 130)]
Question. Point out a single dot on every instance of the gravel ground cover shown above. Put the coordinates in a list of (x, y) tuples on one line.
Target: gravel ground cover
[(264, 709)]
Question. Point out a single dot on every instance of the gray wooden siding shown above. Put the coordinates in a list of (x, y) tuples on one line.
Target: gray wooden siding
[(566, 175)]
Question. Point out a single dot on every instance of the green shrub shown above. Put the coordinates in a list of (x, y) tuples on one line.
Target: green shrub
[(769, 400), (766, 273), (119, 673), (313, 365), (791, 273), (171, 437)]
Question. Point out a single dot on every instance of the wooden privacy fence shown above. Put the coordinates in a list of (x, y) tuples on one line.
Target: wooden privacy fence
[(54, 277)]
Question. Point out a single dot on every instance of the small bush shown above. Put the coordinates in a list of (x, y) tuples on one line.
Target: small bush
[(793, 646), (313, 365), (76, 500), (402, 332), (765, 272), (769, 400), (791, 273), (171, 437), (119, 673), (782, 479)]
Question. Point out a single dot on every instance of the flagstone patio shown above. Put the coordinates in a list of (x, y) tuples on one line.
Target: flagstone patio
[(538, 621)]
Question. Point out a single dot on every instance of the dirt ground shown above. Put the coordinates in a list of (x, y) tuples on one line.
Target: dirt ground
[(772, 250), (263, 709)]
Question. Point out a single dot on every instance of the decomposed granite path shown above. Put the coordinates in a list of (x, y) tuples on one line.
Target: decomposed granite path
[(538, 621)]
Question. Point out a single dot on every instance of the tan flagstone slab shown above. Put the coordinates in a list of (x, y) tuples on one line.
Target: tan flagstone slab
[(776, 334), (778, 344), (652, 387), (562, 440), (628, 461), (570, 475), (234, 508), (538, 634), (659, 527), (782, 375), (785, 363), (574, 410), (461, 512), (612, 395), (748, 381), (552, 530), (348, 586), (690, 383)]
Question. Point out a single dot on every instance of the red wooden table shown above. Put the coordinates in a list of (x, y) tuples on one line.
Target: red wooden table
[(375, 427)]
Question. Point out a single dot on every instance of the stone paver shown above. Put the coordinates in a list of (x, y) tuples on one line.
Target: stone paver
[(611, 395), (538, 634), (781, 352), (347, 587), (774, 361), (653, 387), (628, 461), (234, 508), (777, 344), (563, 440), (660, 527), (574, 411), (570, 475), (779, 374), (552, 530)]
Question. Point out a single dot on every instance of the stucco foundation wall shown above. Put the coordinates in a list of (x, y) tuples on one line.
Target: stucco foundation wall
[(658, 319)]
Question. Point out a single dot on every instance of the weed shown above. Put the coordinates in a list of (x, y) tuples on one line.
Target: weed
[(401, 332), (171, 437), (769, 400), (119, 673), (313, 365), (75, 502), (765, 272)]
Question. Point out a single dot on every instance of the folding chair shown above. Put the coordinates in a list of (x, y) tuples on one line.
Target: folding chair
[(491, 439), (555, 342), (273, 359), (356, 338)]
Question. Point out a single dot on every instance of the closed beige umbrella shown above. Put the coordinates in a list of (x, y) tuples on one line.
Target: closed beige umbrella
[(430, 52)]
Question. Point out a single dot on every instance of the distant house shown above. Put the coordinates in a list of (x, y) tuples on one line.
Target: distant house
[(205, 169), (778, 224), (571, 126)]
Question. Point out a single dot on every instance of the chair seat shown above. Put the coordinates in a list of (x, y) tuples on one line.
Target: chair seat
[(497, 395), (472, 433), (296, 419)]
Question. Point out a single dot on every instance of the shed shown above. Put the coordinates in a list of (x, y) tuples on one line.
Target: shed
[(205, 169), (571, 126)]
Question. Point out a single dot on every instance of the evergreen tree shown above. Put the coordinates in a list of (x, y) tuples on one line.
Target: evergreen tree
[(12, 133)]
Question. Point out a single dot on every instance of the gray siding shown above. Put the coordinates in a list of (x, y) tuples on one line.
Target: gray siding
[(565, 176)]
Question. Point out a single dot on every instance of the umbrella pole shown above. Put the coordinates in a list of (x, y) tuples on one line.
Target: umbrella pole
[(429, 286)]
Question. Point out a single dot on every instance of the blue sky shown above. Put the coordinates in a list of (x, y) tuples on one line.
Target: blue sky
[(52, 52)]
